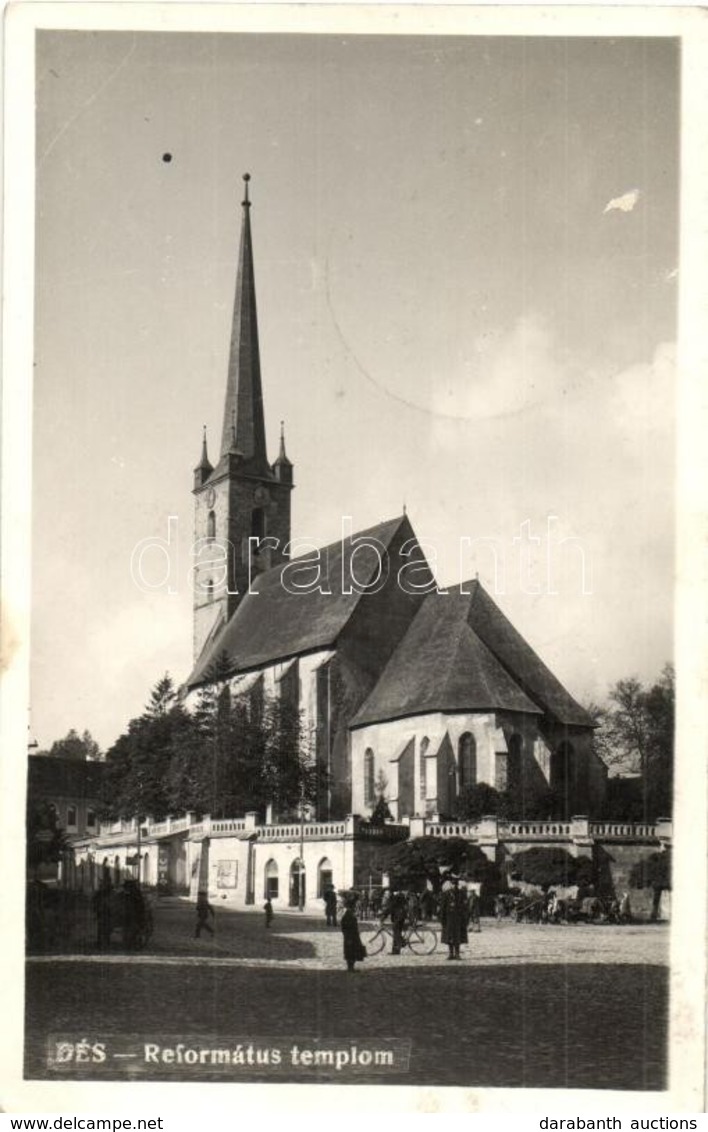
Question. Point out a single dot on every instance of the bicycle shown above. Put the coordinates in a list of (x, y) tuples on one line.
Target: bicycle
[(422, 940)]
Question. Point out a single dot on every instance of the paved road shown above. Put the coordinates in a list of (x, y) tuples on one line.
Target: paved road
[(528, 1005)]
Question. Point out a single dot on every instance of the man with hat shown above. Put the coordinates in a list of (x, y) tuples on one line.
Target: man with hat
[(453, 916)]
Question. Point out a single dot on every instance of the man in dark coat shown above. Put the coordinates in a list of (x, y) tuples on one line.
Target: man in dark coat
[(398, 911), (453, 916), (330, 903), (354, 950)]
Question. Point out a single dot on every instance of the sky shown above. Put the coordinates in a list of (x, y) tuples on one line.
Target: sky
[(466, 269)]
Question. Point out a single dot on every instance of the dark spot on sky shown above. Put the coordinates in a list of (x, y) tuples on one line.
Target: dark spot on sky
[(167, 157)]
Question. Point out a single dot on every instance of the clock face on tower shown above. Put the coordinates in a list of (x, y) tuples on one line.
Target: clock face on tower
[(210, 497)]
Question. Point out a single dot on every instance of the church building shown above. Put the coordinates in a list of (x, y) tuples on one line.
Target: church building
[(426, 691)]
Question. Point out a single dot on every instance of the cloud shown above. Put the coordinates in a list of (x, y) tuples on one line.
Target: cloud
[(625, 203)]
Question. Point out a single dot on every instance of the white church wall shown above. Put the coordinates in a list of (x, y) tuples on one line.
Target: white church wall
[(387, 741)]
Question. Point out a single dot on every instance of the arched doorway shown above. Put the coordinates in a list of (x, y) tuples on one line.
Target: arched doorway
[(298, 889), (116, 871), (270, 880), (324, 876)]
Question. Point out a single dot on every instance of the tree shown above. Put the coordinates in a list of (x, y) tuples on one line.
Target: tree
[(74, 746), (544, 866), (412, 863), (636, 733), (46, 841), (229, 755), (137, 778), (381, 812)]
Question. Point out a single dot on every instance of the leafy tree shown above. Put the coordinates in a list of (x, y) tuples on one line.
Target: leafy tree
[(636, 732), (477, 801), (138, 764), (412, 863), (46, 840), (75, 746), (545, 866), (229, 755)]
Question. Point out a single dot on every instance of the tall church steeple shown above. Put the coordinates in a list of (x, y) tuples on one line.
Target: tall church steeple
[(242, 506), (243, 408)]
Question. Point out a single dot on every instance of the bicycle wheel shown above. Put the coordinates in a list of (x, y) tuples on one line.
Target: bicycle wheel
[(375, 941), (422, 941)]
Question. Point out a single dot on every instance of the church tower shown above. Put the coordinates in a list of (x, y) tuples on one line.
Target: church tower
[(242, 505)]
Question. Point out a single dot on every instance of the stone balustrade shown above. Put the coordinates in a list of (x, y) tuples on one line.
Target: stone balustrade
[(485, 831)]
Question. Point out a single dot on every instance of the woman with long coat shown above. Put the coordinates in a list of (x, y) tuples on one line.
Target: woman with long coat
[(354, 950), (453, 917)]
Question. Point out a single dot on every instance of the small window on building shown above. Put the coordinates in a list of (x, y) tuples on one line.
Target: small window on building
[(211, 525), (91, 818), (210, 590), (369, 789), (71, 817)]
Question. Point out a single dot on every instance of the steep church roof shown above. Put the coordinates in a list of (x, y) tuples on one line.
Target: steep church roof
[(442, 665), (276, 621), (519, 659), (462, 654)]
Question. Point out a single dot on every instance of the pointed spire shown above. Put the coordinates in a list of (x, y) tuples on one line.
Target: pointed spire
[(244, 426), (204, 462), (282, 468), (282, 456), (203, 469)]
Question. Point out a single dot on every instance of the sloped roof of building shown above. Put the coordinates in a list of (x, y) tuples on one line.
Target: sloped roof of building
[(462, 654), (442, 665), (520, 660), (275, 621)]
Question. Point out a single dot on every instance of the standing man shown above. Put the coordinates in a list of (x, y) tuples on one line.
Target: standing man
[(453, 916), (330, 903)]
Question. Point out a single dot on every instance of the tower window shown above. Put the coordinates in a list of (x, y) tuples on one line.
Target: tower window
[(211, 525), (258, 523), (210, 590)]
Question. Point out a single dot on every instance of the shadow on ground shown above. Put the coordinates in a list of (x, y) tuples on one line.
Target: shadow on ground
[(589, 1026)]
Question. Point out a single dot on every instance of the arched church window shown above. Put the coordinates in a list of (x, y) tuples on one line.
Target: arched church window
[(467, 760), (71, 817), (211, 525), (369, 788), (424, 744)]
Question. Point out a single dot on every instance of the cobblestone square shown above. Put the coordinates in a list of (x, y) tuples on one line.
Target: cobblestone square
[(535, 1006)]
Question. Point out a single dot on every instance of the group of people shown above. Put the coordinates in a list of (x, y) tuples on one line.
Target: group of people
[(122, 907), (457, 907)]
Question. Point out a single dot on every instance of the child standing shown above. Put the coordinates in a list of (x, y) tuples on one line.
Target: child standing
[(204, 911)]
